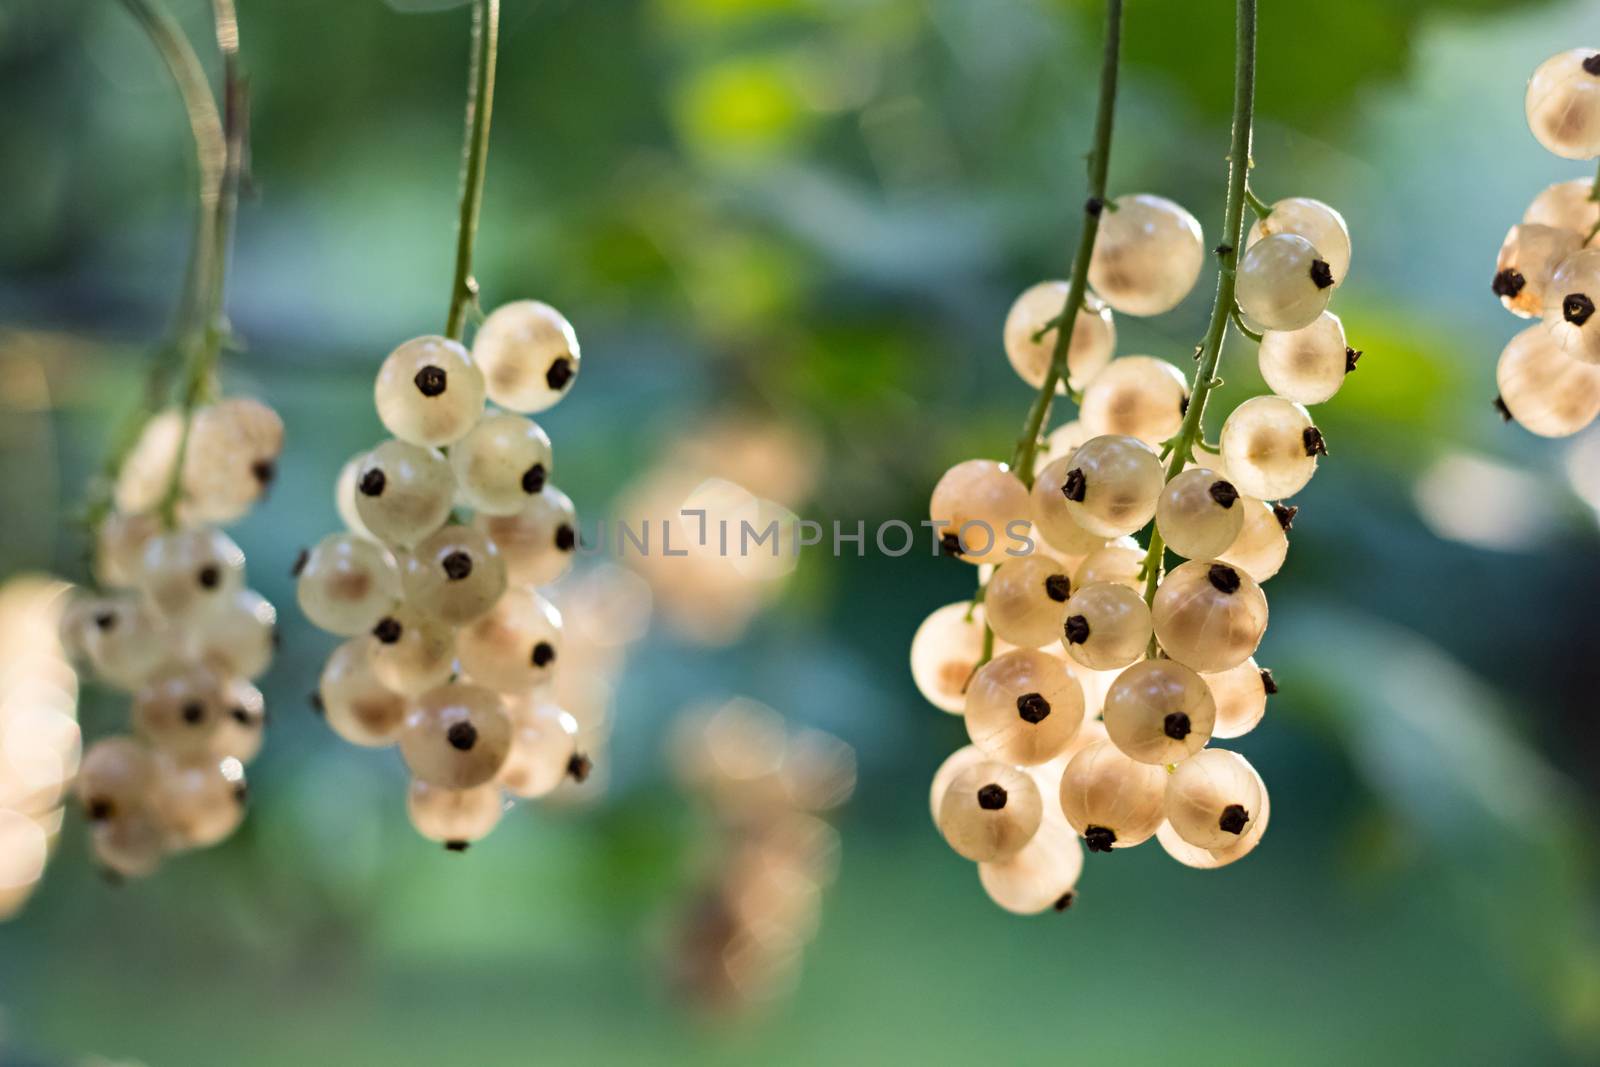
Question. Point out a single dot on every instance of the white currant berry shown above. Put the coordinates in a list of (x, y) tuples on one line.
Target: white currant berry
[(1159, 711), (404, 492), (114, 778), (1307, 365), (1209, 615), (429, 392), (145, 476), (1212, 797), (1093, 337), (1210, 859), (1283, 283), (501, 463), (990, 811), (1545, 390), (180, 708), (1271, 447), (346, 584), (544, 743), (357, 706), (132, 846), (197, 801), (240, 731), (1199, 514), (1263, 541), (1147, 254), (1110, 800), (455, 576), (1112, 484), (516, 645), (345, 493), (1240, 694), (1023, 707), (239, 635), (1568, 205), (122, 639), (944, 651), (529, 355), (1052, 513), (1317, 223), (1569, 305), (230, 459), (1039, 876), (1527, 264), (1139, 396), (1120, 563), (456, 736), (454, 817), (1563, 103), (187, 574), (949, 771), (1025, 600), (411, 653), (119, 548), (1106, 626), (539, 541), (1062, 442), (975, 504)]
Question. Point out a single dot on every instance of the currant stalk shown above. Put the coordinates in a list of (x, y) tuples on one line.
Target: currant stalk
[(474, 158)]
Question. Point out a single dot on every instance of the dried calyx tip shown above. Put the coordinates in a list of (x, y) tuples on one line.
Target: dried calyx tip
[(300, 561), (1312, 439), (578, 767), (1176, 725), (1233, 819), (992, 797), (1268, 682), (462, 736), (193, 712), (1591, 64), (1577, 308), (456, 846), (1074, 486), (1224, 493), (1500, 406), (1094, 205), (431, 380), (559, 374), (457, 565), (533, 478), (1076, 629), (1058, 587), (209, 576), (372, 483), (1352, 356), (1321, 273), (1064, 901), (1508, 283), (1099, 838), (388, 630), (315, 700), (264, 471), (1285, 514), (566, 538), (543, 654), (950, 544), (1224, 579), (1033, 708)]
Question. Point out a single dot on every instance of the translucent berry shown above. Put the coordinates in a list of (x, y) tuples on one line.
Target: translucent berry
[(529, 355), (1307, 365), (122, 638), (345, 492), (1052, 512), (1147, 255), (1039, 876), (404, 492), (1120, 563), (1240, 694), (456, 736), (1563, 104), (1567, 205), (197, 800), (189, 573), (544, 741), (1271, 447), (944, 650), (1159, 711), (501, 463), (1023, 707), (132, 846), (114, 778), (1528, 259), (145, 477), (231, 458), (1209, 859), (989, 811), (1545, 390), (1139, 396), (346, 584), (1284, 283), (975, 504), (1209, 615), (949, 771), (1093, 338), (1199, 514), (1106, 626), (119, 548), (239, 733), (180, 708), (1570, 303), (1317, 223), (412, 653), (429, 392), (455, 576), (454, 817), (357, 706), (1263, 541), (538, 543), (1112, 484), (1025, 600), (514, 647), (1062, 442), (1111, 800), (1212, 797), (240, 635)]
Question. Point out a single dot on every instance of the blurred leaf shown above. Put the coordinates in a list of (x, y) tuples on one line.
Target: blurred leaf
[(412, 7)]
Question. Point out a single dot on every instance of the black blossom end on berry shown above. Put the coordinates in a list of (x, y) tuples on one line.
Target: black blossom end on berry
[(240, 716), (241, 794), (1268, 682), (264, 471), (462, 736), (1224, 493), (457, 565), (1064, 901), (544, 654), (566, 538), (388, 630), (578, 767), (950, 545), (1313, 441), (1183, 403), (559, 374), (1058, 587), (457, 846), (533, 479), (1076, 629), (1075, 486), (1591, 65), (98, 809), (209, 576), (300, 560), (1224, 579), (992, 797), (317, 706), (104, 620), (1508, 283), (1176, 725), (1094, 206), (1577, 308), (1099, 838), (431, 381), (1233, 819), (1321, 273), (372, 483), (193, 713), (1285, 514), (1500, 406), (1352, 356), (1033, 708)]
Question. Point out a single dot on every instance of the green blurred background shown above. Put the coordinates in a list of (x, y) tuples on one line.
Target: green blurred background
[(817, 212)]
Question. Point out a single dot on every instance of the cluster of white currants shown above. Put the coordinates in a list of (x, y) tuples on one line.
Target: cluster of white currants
[(741, 939), (178, 629), (1549, 375), (451, 648), (1090, 687)]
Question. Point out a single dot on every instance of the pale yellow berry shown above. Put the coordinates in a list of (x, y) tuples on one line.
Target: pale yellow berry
[(119, 548), (529, 355), (230, 459), (944, 651), (1139, 396), (456, 736), (429, 392), (130, 847), (1212, 797), (1271, 447), (239, 734), (1307, 365), (1025, 600), (355, 704), (1209, 859), (1052, 512), (1570, 302), (145, 478), (1527, 264), (1240, 694), (1208, 615), (346, 584), (1093, 337), (1563, 103), (1147, 255), (949, 771), (1159, 711), (122, 638), (114, 778), (179, 709), (1568, 205), (981, 508), (345, 494), (454, 817), (1263, 541), (516, 645), (1106, 626), (404, 492), (1112, 485), (539, 541), (1111, 800), (502, 463), (990, 811), (240, 635), (1316, 222), (187, 574), (1199, 514), (1039, 876), (1023, 707), (1121, 563), (1545, 390), (544, 740), (199, 801), (456, 576), (411, 653), (1062, 441), (1283, 283)]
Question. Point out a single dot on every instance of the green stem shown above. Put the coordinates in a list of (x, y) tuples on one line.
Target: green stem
[(1205, 375), (1261, 208), (1594, 194), (474, 156)]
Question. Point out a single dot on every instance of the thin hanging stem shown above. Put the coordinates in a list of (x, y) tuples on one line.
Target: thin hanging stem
[(474, 156), (1205, 375), (1594, 195)]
